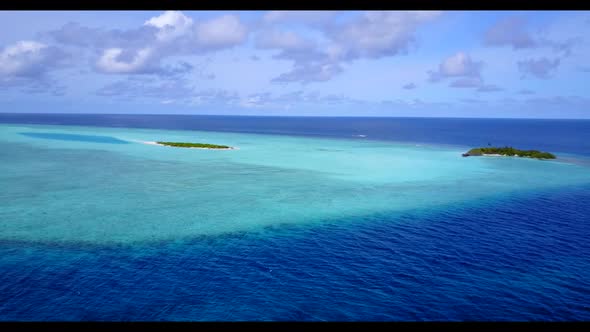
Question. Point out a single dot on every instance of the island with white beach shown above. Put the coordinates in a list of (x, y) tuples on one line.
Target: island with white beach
[(508, 151), (193, 145)]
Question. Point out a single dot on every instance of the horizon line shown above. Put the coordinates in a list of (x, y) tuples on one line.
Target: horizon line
[(297, 116)]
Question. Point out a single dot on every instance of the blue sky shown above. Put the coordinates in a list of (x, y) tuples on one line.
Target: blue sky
[(530, 64)]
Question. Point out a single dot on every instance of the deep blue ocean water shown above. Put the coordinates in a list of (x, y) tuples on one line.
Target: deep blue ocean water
[(519, 256)]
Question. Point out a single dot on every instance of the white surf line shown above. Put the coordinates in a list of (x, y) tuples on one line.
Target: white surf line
[(138, 141), (142, 142)]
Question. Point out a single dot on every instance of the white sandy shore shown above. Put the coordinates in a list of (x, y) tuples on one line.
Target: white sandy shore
[(156, 143), (515, 156)]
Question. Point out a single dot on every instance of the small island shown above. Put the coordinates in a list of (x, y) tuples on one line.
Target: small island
[(509, 151), (195, 145)]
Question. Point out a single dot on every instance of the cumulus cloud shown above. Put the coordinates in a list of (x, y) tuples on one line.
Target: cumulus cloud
[(74, 34), (216, 33), (20, 57), (464, 71), (513, 32), (120, 61), (283, 40), (143, 50), (27, 64), (458, 65), (303, 52), (181, 68), (171, 83), (141, 61), (221, 32), (28, 58), (379, 34), (541, 68), (170, 25), (372, 35), (510, 31)]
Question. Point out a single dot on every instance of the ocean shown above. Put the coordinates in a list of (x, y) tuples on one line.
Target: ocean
[(309, 219)]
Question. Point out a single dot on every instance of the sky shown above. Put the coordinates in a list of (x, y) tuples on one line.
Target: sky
[(503, 64)]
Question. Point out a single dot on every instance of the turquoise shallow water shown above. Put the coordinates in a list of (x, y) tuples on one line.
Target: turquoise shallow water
[(103, 186), (324, 225)]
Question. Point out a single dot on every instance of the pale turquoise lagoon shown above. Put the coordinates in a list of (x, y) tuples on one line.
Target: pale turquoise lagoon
[(103, 186)]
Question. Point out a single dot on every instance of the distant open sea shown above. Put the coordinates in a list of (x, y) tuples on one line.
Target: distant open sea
[(309, 219)]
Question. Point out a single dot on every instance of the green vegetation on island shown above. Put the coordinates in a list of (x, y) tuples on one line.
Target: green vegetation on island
[(195, 145), (509, 151)]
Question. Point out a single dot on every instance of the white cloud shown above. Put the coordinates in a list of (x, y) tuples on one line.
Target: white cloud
[(457, 65), (111, 62), (285, 40), (21, 58), (223, 31), (27, 65), (513, 31), (510, 31), (465, 72), (379, 34), (144, 49), (371, 35), (171, 24)]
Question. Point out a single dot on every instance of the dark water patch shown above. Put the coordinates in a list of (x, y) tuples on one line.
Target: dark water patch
[(76, 137), (520, 257)]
